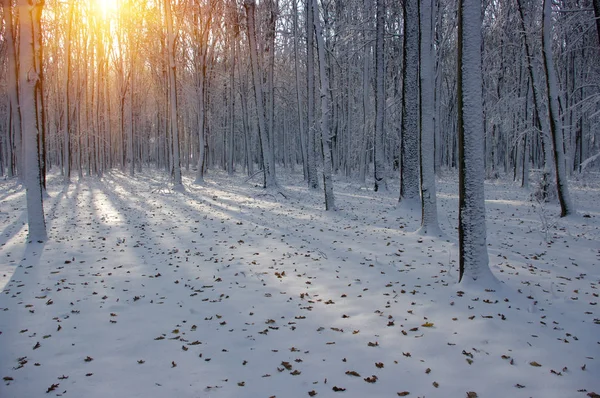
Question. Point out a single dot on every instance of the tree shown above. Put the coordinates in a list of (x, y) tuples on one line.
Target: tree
[(267, 155), (380, 172), (566, 206), (325, 111), (409, 160), (172, 78), (471, 171), (429, 221), (310, 106), (14, 126), (27, 84)]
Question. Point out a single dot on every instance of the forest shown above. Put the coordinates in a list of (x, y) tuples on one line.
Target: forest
[(376, 198)]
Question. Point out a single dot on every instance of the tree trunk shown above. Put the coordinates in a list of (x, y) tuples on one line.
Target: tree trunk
[(325, 111), (380, 169), (268, 166), (429, 220), (471, 168), (28, 81), (556, 128), (409, 161), (313, 183), (14, 125), (172, 76)]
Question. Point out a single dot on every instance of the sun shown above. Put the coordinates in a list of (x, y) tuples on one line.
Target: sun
[(106, 8)]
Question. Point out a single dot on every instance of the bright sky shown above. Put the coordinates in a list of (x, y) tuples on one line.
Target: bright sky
[(107, 6)]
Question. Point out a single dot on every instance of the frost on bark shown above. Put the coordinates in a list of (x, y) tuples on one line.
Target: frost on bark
[(429, 220), (27, 85), (540, 110), (172, 77), (379, 155), (325, 112), (556, 128), (471, 169), (66, 159), (310, 106), (13, 92), (267, 155), (409, 159)]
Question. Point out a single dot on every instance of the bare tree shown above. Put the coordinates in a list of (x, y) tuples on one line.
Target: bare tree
[(380, 169), (429, 220), (325, 111), (28, 80), (409, 161), (268, 159), (556, 128), (471, 171)]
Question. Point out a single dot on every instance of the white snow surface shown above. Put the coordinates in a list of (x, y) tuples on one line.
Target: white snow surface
[(228, 290)]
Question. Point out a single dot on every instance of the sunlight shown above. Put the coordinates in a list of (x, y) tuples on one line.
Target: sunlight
[(106, 7)]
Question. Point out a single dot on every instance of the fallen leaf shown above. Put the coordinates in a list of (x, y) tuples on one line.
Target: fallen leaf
[(52, 388)]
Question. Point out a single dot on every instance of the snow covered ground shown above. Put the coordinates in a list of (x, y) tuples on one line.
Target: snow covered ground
[(228, 290)]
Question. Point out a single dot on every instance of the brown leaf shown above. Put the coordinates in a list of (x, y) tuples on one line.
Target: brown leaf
[(379, 365), (312, 393), (52, 388), (286, 365), (352, 373), (371, 379), (471, 394), (338, 389), (534, 363), (403, 393)]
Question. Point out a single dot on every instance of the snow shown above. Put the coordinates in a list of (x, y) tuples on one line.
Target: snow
[(218, 290)]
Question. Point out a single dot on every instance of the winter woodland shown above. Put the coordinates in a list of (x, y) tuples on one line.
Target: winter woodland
[(282, 198)]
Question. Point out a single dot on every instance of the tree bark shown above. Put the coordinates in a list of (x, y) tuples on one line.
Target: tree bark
[(173, 112), (268, 166), (28, 81), (310, 105), (556, 128), (325, 111), (380, 169), (429, 220), (473, 253), (409, 161), (14, 125)]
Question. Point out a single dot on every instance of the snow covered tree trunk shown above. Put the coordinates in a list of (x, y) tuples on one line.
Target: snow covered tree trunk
[(471, 169), (409, 160), (28, 80), (67, 105), (380, 169), (13, 90), (556, 128), (200, 29), (36, 16), (325, 111), (268, 159), (302, 132), (132, 74), (172, 77), (540, 110), (597, 17), (313, 182), (429, 220)]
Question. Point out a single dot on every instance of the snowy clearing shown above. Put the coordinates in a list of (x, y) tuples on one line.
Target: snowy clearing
[(229, 290)]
